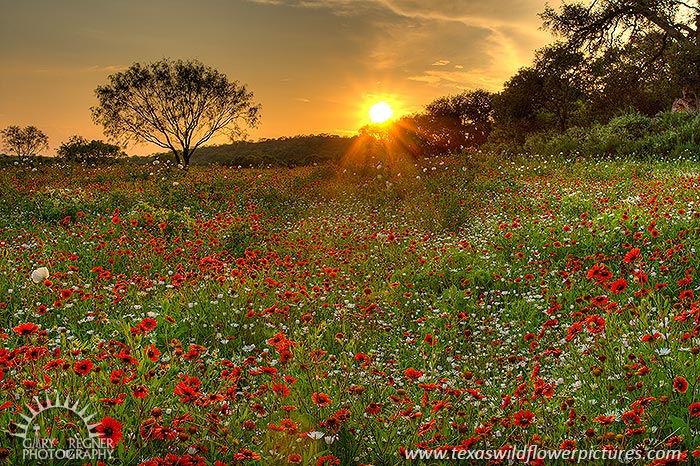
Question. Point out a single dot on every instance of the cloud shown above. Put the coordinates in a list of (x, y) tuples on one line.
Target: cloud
[(461, 80), (489, 40), (104, 68), (511, 13)]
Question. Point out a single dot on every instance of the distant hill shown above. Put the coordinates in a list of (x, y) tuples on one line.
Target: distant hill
[(290, 151), (285, 151)]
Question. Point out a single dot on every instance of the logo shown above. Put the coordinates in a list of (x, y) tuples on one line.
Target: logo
[(45, 432)]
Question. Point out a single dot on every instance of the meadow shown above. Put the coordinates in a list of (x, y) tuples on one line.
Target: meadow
[(345, 315)]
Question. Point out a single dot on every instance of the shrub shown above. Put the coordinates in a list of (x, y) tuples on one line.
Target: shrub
[(632, 134), (79, 150)]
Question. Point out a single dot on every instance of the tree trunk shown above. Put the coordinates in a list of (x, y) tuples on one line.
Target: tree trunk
[(177, 156), (186, 154)]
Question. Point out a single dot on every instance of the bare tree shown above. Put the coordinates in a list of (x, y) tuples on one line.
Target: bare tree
[(177, 105)]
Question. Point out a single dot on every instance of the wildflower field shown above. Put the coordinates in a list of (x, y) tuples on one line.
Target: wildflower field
[(329, 316)]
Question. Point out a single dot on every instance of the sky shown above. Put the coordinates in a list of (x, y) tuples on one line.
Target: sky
[(315, 66)]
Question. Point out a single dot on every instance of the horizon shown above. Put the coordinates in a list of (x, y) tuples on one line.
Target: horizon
[(315, 66)]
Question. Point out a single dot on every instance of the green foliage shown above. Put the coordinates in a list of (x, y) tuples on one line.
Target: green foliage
[(78, 150), (633, 134)]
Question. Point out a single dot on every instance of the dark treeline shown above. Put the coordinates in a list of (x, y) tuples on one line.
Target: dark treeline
[(284, 151)]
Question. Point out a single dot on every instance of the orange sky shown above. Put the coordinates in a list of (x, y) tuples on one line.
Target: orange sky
[(316, 66)]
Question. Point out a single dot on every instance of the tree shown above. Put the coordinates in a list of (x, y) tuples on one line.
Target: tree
[(548, 95), (25, 142), (609, 23), (564, 81), (454, 122), (624, 80), (77, 149), (177, 105)]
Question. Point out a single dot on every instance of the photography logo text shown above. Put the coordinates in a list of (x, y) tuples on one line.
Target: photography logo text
[(60, 430)]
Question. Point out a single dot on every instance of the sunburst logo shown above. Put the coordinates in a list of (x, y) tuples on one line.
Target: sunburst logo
[(46, 445)]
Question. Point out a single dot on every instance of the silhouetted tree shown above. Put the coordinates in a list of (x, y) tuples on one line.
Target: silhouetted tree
[(517, 107), (177, 105), (547, 95), (77, 149), (633, 76), (565, 80), (25, 142), (457, 122), (602, 24)]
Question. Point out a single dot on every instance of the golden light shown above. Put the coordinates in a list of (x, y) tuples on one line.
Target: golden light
[(380, 112)]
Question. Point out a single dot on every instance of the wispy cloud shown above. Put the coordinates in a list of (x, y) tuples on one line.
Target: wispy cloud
[(489, 40), (104, 68), (463, 80)]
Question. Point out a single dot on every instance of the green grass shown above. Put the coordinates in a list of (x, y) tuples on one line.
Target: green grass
[(271, 286)]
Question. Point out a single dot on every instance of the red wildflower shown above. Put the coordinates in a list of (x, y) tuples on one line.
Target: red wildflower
[(321, 399), (83, 367), (246, 454), (281, 389), (110, 430), (631, 417), (632, 255), (618, 286), (361, 357), (116, 377), (568, 445), (148, 324), (327, 460), (680, 384), (694, 409), (188, 389), (26, 329), (601, 301), (599, 272), (604, 420), (523, 418), (595, 324), (412, 373), (152, 353), (373, 408), (140, 392)]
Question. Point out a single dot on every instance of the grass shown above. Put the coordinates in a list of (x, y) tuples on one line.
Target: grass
[(322, 316)]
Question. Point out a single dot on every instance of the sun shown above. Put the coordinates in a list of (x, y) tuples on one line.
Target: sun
[(380, 112)]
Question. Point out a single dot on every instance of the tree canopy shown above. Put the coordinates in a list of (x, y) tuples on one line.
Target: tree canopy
[(24, 142), (79, 150), (601, 25), (177, 105)]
